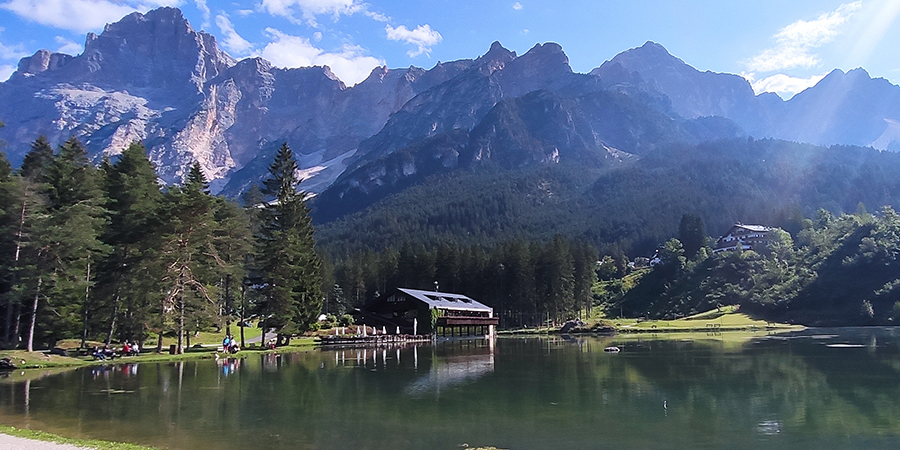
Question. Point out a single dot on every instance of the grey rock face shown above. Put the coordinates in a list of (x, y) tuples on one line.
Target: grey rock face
[(144, 78), (152, 77)]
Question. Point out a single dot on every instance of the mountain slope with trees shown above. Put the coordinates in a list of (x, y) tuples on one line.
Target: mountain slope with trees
[(631, 206), (840, 270)]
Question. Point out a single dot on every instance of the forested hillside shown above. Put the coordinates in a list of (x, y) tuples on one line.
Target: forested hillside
[(633, 205), (838, 270)]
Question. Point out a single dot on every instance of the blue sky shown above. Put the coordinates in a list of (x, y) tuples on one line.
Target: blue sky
[(780, 46)]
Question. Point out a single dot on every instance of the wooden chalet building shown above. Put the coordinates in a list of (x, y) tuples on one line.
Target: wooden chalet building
[(749, 237), (412, 310)]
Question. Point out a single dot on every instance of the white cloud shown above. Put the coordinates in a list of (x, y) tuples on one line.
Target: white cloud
[(204, 9), (80, 15), (781, 84), (244, 12), (517, 6), (146, 5), (68, 46), (796, 41), (317, 36), (231, 40), (377, 16), (350, 64), (309, 9), (423, 37), (12, 51), (5, 71)]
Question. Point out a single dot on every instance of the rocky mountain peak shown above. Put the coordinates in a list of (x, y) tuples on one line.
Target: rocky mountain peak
[(839, 77), (547, 54), (42, 60), (496, 58), (649, 56), (156, 49), (377, 73)]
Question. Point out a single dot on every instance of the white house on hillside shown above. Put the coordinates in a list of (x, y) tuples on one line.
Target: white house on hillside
[(748, 236)]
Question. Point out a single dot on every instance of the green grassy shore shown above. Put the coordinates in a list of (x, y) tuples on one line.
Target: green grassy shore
[(724, 319), (36, 435), (203, 346)]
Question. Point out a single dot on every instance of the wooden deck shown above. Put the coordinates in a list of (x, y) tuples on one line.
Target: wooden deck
[(378, 339)]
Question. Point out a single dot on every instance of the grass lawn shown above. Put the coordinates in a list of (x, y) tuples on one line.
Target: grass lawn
[(727, 318), (43, 360), (206, 338)]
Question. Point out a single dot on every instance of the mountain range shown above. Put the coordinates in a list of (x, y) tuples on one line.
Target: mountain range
[(152, 77)]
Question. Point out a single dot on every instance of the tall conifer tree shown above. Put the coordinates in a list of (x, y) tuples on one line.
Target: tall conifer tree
[(70, 244), (131, 285), (25, 252), (287, 259), (188, 255)]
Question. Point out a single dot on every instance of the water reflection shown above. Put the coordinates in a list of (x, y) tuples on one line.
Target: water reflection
[(818, 389), (458, 362)]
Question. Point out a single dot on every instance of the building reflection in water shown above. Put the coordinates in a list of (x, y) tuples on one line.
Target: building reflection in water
[(455, 363)]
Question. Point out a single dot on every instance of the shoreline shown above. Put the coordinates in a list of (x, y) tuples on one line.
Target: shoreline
[(13, 438), (41, 359)]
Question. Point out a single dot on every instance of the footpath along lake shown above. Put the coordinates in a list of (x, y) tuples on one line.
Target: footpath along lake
[(820, 388)]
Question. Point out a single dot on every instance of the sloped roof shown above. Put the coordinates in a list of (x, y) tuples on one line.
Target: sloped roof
[(444, 300), (758, 228)]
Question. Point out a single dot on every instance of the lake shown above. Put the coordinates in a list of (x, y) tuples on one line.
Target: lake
[(820, 388)]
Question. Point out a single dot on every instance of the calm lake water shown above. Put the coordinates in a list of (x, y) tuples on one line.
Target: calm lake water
[(821, 388)]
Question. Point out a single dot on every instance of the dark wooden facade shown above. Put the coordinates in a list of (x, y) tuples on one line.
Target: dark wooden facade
[(415, 311)]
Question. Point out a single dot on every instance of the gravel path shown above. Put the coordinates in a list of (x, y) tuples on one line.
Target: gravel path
[(8, 442)]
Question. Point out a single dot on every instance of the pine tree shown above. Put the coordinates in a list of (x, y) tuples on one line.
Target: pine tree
[(37, 160), (130, 279), (25, 253), (233, 244), (286, 259), (692, 234), (69, 244), (10, 188), (188, 255)]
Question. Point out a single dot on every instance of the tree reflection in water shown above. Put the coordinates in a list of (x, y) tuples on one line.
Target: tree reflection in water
[(816, 389)]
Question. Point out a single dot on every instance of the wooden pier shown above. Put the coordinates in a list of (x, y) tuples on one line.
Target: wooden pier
[(374, 340)]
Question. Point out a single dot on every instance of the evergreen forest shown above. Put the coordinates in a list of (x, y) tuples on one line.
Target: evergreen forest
[(104, 252), (108, 254)]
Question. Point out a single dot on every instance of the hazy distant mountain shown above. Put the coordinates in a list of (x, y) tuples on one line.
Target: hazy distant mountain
[(850, 108), (152, 77)]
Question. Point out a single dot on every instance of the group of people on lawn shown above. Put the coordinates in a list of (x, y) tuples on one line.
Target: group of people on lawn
[(107, 352), (229, 345)]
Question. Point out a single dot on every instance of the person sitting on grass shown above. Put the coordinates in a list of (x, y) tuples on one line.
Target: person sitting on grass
[(97, 354)]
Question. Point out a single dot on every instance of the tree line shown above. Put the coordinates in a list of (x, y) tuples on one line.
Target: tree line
[(107, 253), (527, 283)]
